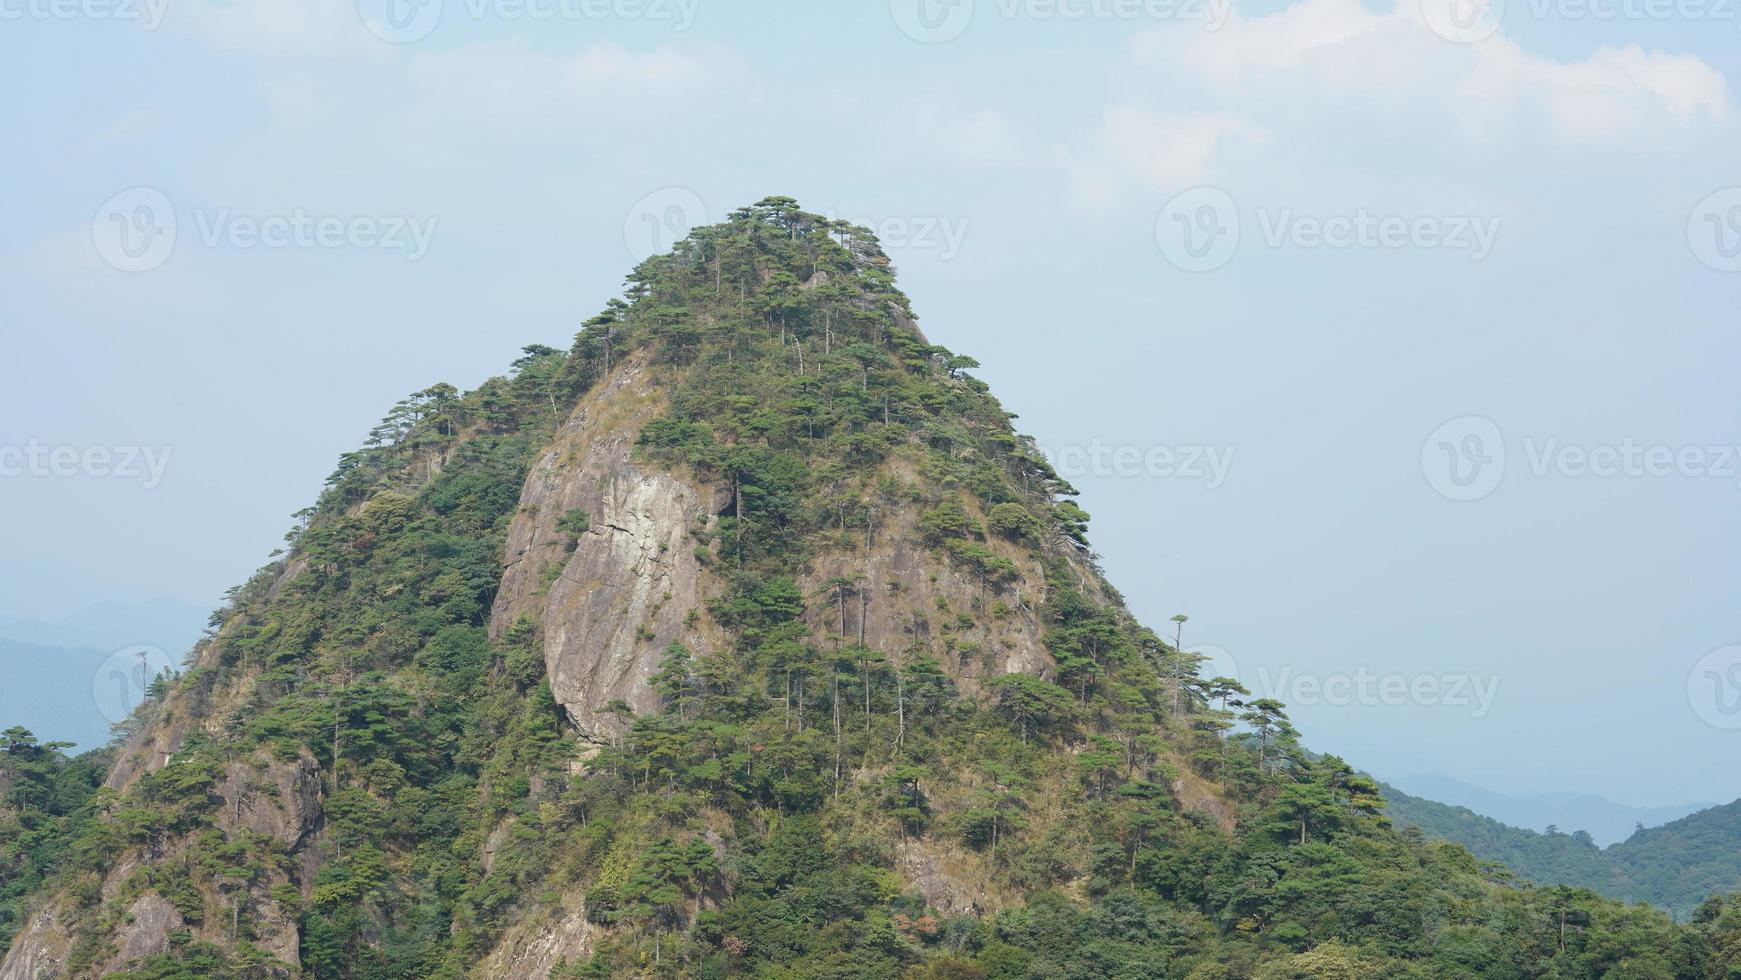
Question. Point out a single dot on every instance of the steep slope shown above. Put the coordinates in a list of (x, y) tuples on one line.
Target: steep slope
[(1679, 864), (1675, 866), (1549, 859), (744, 638)]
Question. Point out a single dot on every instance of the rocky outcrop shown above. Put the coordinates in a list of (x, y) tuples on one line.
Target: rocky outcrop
[(536, 945), (263, 795), (609, 608), (39, 952), (150, 749), (281, 800), (951, 880), (273, 798), (907, 594), (146, 930)]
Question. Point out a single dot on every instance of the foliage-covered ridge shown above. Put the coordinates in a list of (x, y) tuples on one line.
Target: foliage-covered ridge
[(912, 732)]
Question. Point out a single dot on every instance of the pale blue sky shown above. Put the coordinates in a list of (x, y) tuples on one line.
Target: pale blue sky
[(1021, 173)]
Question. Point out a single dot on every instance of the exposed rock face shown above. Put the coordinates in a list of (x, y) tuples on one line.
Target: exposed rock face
[(281, 800), (150, 749), (624, 593), (39, 952), (534, 946), (150, 920), (945, 879), (899, 585), (277, 799)]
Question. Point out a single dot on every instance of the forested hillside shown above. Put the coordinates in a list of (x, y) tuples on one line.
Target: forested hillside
[(1675, 866), (744, 637)]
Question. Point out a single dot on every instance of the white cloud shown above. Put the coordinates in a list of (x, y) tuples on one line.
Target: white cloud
[(278, 29), (1303, 36), (1611, 96), (1333, 79), (131, 126), (1161, 150), (509, 83)]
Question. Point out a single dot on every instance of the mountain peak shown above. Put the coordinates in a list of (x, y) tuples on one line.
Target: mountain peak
[(743, 637)]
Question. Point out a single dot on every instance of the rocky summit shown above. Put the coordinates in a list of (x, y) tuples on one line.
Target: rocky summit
[(743, 637)]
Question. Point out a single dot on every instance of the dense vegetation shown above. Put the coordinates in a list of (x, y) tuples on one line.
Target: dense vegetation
[(1121, 815), (1675, 866), (44, 801)]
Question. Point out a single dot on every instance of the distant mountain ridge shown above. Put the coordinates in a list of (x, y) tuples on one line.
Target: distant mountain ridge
[(171, 625), (1674, 866), (51, 667), (1606, 821), (48, 690)]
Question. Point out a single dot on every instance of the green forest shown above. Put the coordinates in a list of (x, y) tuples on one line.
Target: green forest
[(1119, 814), (1675, 866)]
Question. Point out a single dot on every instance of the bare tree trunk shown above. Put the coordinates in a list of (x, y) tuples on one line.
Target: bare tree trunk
[(835, 671)]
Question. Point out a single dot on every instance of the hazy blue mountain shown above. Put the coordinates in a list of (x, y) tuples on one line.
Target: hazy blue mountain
[(1674, 866), (169, 624), (1606, 821), (50, 690), (69, 678)]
